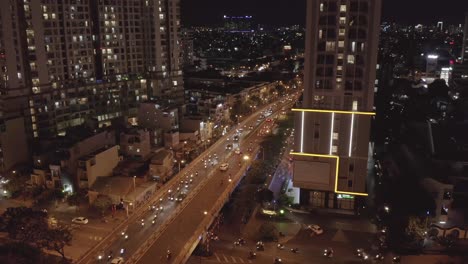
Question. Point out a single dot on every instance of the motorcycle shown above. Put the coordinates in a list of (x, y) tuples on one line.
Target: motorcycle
[(328, 253)]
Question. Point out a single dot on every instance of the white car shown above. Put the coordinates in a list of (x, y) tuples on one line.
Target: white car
[(224, 167), (117, 260), (315, 229), (237, 151), (80, 220)]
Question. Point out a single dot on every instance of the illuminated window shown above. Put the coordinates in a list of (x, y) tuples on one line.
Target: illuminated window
[(339, 68), (342, 21), (355, 105), (335, 136), (342, 32), (340, 56), (353, 46), (351, 59), (334, 149), (341, 44), (330, 46), (174, 83), (343, 8), (320, 34), (321, 7)]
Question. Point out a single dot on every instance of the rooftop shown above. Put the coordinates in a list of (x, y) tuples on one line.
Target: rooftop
[(94, 153), (160, 156)]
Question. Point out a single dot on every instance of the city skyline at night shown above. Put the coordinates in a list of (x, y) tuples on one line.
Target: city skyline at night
[(207, 131)]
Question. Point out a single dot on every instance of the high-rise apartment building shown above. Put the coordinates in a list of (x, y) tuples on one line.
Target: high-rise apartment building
[(63, 61), (333, 119), (465, 41)]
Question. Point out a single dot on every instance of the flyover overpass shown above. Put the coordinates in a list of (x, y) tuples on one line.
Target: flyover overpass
[(186, 229), (178, 227)]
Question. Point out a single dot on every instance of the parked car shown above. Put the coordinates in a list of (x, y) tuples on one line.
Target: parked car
[(315, 229), (228, 146), (80, 220), (237, 151)]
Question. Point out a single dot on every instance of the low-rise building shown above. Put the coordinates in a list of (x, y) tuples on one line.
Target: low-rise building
[(55, 165), (100, 163), (13, 144), (161, 165), (152, 115), (194, 123), (131, 191), (135, 143), (442, 195)]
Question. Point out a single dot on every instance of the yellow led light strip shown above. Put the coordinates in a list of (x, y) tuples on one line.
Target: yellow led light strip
[(332, 111), (336, 170)]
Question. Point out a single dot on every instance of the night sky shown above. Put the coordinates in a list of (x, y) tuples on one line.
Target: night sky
[(288, 12)]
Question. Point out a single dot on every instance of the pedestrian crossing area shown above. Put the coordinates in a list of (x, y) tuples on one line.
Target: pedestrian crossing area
[(95, 238), (221, 258)]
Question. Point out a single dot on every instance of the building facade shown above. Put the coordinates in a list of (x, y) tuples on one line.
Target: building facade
[(465, 41), (135, 143), (333, 119), (100, 163), (63, 62)]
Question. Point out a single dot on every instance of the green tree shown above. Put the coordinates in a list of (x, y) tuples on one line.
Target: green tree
[(74, 200), (24, 224), (20, 252), (268, 232), (245, 199), (239, 108), (102, 203), (16, 183), (255, 101), (77, 199), (258, 172), (285, 200), (416, 229), (264, 195), (280, 89), (56, 240)]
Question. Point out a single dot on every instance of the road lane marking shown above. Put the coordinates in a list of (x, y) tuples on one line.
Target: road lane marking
[(241, 260), (225, 259), (233, 259), (217, 257), (249, 261)]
